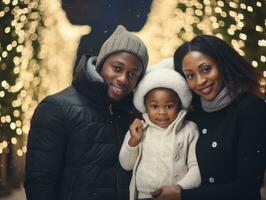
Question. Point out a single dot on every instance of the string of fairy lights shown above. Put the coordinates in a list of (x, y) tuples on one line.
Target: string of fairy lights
[(25, 51), (36, 41), (20, 74)]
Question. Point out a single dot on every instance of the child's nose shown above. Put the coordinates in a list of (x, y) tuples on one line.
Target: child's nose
[(162, 111)]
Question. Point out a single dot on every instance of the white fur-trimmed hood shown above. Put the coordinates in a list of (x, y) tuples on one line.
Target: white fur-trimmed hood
[(162, 75)]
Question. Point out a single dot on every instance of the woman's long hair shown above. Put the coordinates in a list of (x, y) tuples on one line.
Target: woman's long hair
[(238, 75)]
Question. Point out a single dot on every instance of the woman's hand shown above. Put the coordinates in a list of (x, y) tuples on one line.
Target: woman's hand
[(167, 193), (263, 188), (136, 132)]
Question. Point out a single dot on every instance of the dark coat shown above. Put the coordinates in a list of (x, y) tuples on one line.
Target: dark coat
[(231, 151), (74, 142)]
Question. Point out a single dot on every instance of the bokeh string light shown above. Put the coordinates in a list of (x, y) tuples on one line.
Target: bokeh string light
[(18, 69), (37, 51), (38, 47)]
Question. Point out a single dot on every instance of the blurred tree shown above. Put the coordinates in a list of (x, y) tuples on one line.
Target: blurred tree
[(19, 21)]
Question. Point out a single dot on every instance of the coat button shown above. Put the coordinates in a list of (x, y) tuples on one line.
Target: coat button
[(176, 157), (214, 144), (211, 180), (204, 131), (180, 144)]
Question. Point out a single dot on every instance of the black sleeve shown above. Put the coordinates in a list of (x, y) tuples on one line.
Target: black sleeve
[(251, 123), (45, 152)]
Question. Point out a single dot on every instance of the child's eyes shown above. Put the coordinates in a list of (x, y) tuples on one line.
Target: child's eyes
[(189, 76), (169, 106), (154, 106)]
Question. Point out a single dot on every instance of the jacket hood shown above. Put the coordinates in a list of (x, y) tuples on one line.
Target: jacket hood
[(87, 80)]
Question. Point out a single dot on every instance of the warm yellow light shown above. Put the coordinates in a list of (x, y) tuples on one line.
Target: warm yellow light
[(255, 63), (14, 140), (242, 36), (250, 9), (263, 59), (19, 152), (262, 43), (220, 3), (2, 94), (8, 118), (217, 10), (259, 28), (2, 13), (6, 1), (232, 13), (19, 131), (4, 144), (3, 119), (243, 6), (12, 125), (232, 4), (7, 29), (258, 4), (24, 149), (4, 54), (5, 84), (16, 113), (14, 2)]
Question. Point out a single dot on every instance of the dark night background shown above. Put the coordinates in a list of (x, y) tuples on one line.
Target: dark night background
[(103, 16)]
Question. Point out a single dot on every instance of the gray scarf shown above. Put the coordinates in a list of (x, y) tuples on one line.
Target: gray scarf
[(220, 101)]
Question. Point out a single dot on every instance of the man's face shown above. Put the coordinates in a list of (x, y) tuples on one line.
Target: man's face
[(121, 72)]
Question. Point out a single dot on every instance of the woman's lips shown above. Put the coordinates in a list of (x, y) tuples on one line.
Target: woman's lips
[(207, 90)]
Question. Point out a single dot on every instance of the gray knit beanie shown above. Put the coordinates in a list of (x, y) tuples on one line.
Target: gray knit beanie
[(122, 40)]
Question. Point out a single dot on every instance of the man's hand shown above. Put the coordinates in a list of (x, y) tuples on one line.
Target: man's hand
[(136, 132), (167, 193)]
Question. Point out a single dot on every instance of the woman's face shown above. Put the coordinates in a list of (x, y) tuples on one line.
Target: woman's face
[(121, 72), (202, 75)]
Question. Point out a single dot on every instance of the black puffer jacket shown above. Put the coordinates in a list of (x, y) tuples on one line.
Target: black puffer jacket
[(74, 142)]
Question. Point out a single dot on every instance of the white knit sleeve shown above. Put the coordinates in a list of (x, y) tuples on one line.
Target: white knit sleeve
[(192, 179), (128, 155)]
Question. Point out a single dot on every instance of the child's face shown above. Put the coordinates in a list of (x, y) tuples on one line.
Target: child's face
[(162, 106)]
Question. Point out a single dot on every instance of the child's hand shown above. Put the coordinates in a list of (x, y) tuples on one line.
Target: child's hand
[(136, 132)]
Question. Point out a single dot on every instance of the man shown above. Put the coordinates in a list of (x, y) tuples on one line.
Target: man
[(76, 134)]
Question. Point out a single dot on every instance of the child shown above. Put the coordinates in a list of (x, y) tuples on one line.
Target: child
[(161, 150)]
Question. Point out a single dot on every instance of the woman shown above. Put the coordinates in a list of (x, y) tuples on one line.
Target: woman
[(231, 119)]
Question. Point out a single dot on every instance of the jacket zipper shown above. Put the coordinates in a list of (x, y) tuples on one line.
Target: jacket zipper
[(71, 188), (111, 110), (117, 142)]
